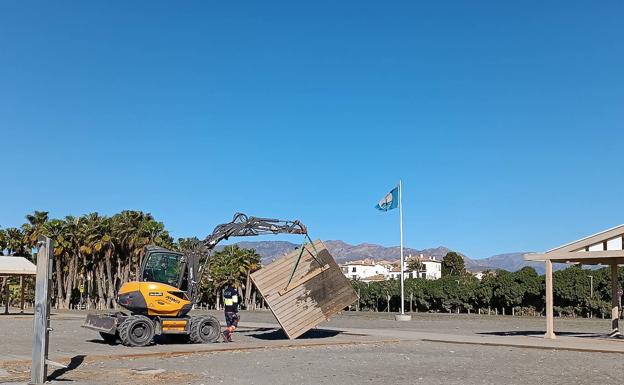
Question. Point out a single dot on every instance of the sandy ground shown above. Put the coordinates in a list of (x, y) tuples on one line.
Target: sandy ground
[(340, 358)]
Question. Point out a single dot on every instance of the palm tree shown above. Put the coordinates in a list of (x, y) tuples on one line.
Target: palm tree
[(35, 227), (15, 242), (249, 263), (416, 264), (3, 241), (93, 246), (55, 230)]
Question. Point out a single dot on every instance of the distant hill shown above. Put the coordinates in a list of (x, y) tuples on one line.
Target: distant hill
[(343, 252), (507, 261)]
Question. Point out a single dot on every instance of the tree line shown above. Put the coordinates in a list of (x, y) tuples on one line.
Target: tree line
[(577, 291), (95, 254)]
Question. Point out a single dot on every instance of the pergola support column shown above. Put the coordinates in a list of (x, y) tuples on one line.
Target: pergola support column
[(615, 299), (550, 323), (7, 295)]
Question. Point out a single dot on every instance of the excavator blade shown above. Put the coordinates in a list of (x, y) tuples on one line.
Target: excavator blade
[(104, 323)]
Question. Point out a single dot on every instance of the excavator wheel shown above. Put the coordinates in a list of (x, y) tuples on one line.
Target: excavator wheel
[(136, 330), (204, 329)]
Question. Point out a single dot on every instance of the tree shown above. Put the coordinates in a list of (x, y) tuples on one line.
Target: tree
[(415, 264), (15, 242), (3, 241), (453, 264), (35, 227)]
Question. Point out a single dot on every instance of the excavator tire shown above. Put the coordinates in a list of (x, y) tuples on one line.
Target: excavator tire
[(204, 329), (136, 330)]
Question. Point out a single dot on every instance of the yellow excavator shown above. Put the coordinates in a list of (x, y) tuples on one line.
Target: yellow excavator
[(160, 301)]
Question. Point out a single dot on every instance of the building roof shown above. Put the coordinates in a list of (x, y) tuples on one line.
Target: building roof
[(378, 277), (362, 262), (10, 265), (605, 247)]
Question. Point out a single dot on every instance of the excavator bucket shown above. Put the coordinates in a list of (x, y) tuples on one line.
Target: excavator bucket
[(304, 288)]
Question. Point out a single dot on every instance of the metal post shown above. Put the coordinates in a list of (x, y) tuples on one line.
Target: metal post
[(591, 293), (39, 368), (402, 259), (402, 316), (21, 294), (591, 286)]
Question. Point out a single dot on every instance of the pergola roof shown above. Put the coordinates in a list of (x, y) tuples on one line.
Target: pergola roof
[(605, 247), (16, 266)]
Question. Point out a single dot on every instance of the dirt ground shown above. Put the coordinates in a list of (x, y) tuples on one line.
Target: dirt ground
[(343, 359)]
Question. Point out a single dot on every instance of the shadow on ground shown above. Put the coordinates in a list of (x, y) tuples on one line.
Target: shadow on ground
[(176, 339), (75, 362), (14, 313), (278, 334), (540, 333)]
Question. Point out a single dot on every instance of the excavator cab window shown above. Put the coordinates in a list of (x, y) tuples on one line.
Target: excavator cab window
[(164, 267)]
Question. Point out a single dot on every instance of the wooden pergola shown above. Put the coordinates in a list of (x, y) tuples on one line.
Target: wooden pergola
[(604, 248), (12, 267)]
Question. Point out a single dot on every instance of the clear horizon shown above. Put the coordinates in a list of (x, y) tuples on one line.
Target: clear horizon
[(504, 120)]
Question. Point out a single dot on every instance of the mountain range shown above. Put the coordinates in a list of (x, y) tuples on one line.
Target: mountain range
[(344, 252)]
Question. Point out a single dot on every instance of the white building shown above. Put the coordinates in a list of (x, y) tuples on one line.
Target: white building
[(364, 269), (369, 270)]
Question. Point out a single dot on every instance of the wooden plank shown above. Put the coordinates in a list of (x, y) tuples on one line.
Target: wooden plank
[(315, 293), (303, 279), (331, 285), (285, 261), (295, 317)]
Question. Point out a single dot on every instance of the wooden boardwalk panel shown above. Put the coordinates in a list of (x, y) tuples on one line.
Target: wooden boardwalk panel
[(318, 289)]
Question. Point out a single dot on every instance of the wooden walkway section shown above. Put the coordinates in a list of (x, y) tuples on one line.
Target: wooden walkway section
[(317, 291)]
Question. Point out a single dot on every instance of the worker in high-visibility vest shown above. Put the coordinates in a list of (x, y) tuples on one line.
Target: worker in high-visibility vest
[(230, 302)]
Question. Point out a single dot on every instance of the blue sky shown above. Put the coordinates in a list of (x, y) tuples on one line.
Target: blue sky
[(505, 120)]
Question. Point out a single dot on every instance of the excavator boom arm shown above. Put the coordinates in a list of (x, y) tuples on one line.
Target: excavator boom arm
[(240, 226)]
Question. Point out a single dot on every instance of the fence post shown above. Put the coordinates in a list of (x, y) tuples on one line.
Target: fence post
[(39, 368)]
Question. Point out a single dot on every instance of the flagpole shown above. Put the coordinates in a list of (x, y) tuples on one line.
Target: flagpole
[(402, 260)]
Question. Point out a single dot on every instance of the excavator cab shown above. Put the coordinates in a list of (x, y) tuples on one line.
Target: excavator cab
[(164, 266)]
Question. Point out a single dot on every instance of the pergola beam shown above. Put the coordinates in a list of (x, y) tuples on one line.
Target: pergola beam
[(577, 256), (602, 236)]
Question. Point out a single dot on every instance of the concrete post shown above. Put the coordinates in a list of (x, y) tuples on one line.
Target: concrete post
[(550, 324), (615, 308), (39, 368)]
